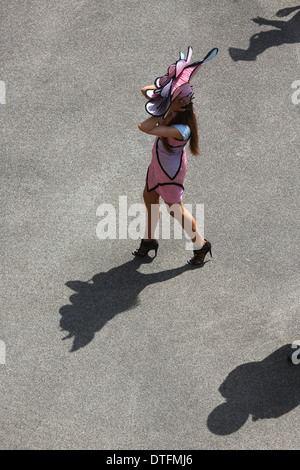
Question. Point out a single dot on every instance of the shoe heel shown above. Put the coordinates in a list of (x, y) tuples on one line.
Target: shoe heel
[(209, 248), (145, 247)]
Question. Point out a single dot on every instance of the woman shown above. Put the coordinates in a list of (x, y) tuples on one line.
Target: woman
[(173, 123)]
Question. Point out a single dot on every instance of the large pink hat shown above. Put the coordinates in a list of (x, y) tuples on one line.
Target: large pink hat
[(174, 82)]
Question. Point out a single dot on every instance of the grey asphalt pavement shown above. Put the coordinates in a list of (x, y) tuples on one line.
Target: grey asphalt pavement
[(103, 351)]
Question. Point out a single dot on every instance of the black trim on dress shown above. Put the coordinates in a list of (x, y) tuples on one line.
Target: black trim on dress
[(160, 184), (157, 156)]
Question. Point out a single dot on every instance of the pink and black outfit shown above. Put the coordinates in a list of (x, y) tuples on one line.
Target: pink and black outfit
[(167, 171)]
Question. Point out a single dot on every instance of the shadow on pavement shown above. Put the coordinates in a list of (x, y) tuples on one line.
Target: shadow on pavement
[(266, 389), (107, 294), (286, 32)]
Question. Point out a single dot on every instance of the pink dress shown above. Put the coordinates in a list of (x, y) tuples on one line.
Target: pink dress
[(167, 171)]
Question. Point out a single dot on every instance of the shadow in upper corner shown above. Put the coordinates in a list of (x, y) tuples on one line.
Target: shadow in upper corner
[(107, 294), (287, 32), (266, 389)]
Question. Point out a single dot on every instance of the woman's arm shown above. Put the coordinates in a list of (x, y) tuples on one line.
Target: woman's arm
[(150, 127), (159, 126), (148, 124)]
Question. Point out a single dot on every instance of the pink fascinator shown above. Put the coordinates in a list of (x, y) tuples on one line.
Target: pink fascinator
[(174, 82)]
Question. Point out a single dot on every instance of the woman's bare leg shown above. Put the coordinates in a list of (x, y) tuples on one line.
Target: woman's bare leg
[(188, 223), (151, 199)]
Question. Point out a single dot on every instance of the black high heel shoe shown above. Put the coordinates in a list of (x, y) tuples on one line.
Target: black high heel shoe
[(200, 254), (145, 247)]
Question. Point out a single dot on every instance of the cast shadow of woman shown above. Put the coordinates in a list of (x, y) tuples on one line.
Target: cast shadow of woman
[(266, 389), (287, 32), (107, 294)]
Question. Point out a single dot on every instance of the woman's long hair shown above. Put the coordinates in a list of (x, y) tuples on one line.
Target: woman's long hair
[(189, 118)]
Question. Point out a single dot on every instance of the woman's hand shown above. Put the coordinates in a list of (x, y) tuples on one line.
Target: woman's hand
[(178, 105)]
